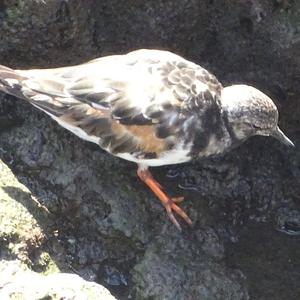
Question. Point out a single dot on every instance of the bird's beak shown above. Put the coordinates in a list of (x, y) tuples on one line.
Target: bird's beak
[(280, 136)]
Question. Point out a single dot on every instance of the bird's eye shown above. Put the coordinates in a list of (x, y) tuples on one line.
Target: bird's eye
[(255, 126)]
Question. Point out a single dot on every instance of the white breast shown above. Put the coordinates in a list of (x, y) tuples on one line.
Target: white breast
[(175, 156)]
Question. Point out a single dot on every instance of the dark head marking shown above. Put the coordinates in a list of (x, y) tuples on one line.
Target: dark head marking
[(250, 112)]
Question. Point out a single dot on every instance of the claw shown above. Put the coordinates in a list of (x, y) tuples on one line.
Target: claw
[(169, 203), (181, 213), (172, 217), (177, 199)]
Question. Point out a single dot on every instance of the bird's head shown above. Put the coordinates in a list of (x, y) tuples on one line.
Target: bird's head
[(250, 112)]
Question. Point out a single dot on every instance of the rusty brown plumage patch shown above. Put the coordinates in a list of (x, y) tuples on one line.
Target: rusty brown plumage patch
[(144, 136), (119, 138)]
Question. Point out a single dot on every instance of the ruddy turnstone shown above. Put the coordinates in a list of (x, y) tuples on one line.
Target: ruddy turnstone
[(151, 107)]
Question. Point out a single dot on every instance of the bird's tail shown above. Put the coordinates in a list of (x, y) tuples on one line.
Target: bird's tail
[(11, 81), (35, 87)]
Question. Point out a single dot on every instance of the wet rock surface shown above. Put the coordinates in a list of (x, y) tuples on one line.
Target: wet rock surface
[(91, 215)]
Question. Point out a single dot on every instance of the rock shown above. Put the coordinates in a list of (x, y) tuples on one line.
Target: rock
[(181, 259), (18, 282), (85, 210), (20, 233)]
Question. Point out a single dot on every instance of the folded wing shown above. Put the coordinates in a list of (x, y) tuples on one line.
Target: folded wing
[(141, 103)]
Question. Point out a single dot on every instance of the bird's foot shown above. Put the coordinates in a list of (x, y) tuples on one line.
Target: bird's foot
[(168, 202)]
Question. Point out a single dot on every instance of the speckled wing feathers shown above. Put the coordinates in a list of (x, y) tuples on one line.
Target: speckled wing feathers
[(108, 98)]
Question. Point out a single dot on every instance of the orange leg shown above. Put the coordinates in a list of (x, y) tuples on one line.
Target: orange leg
[(167, 202)]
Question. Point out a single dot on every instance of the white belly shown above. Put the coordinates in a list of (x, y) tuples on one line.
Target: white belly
[(174, 156)]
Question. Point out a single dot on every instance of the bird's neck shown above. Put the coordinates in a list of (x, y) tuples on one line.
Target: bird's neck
[(231, 120), (226, 113)]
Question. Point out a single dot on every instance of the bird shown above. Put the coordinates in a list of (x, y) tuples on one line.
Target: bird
[(151, 107)]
